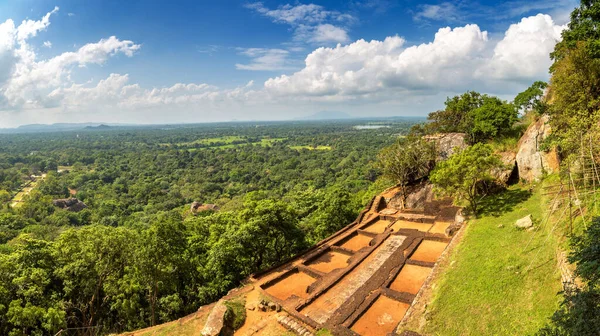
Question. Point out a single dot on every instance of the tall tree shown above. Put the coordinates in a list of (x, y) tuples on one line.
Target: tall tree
[(455, 117), (461, 175), (532, 98), (493, 118)]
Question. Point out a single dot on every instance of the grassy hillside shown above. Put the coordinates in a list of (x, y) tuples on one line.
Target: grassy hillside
[(501, 280)]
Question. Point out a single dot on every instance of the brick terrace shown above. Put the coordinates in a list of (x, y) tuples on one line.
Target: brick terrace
[(363, 279)]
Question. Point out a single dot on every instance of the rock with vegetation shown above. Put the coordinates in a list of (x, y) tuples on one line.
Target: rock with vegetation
[(532, 160), (70, 204), (407, 161), (503, 174), (462, 175)]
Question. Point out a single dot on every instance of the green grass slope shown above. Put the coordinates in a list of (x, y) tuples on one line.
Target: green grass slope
[(501, 280)]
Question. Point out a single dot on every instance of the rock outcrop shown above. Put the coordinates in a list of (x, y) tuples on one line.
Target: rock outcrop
[(531, 161), (509, 160), (70, 204), (216, 320), (416, 197), (447, 144), (197, 207)]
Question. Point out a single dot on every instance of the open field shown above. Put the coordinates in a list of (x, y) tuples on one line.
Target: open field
[(18, 198), (224, 142), (500, 280), (311, 147)]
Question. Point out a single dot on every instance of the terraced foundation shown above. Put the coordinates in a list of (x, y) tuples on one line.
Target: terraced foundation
[(378, 226), (325, 305), (404, 224), (329, 261), (429, 251), (363, 279), (410, 279), (440, 227), (293, 284), (356, 242), (381, 317)]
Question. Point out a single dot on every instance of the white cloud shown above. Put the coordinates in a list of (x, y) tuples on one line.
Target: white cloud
[(25, 81), (325, 33), (311, 23), (387, 76), (48, 44), (264, 59), (71, 14), (523, 52), (30, 28), (456, 60), (445, 11)]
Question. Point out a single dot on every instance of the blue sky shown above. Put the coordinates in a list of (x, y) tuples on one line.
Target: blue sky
[(190, 61)]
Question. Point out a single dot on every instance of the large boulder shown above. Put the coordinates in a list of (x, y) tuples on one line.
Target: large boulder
[(215, 324), (447, 144), (503, 174), (531, 161), (524, 223)]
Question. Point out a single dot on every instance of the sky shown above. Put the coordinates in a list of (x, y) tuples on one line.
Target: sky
[(156, 62)]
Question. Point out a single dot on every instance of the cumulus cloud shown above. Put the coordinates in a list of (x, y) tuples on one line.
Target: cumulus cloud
[(523, 52), (25, 81), (311, 23), (457, 59), (264, 59)]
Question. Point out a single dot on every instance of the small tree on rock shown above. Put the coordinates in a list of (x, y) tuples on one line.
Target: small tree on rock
[(463, 172), (406, 161)]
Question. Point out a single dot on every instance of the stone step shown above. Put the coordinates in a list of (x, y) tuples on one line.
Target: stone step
[(294, 326)]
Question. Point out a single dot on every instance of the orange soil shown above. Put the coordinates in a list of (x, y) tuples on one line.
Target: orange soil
[(391, 193), (294, 284), (403, 224), (429, 251), (440, 227), (357, 242), (253, 317), (377, 227), (381, 318), (329, 261), (410, 279)]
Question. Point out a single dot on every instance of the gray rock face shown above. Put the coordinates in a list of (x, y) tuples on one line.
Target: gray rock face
[(503, 174), (447, 144), (416, 197), (531, 161), (216, 320), (524, 223)]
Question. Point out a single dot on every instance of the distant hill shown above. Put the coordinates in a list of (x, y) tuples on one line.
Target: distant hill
[(99, 127), (60, 127), (327, 115)]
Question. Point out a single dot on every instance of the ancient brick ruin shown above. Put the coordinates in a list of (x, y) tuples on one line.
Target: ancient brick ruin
[(363, 279)]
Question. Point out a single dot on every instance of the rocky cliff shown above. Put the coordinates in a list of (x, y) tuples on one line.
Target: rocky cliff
[(532, 162)]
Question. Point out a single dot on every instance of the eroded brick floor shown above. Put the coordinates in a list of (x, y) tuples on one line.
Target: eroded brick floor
[(363, 279)]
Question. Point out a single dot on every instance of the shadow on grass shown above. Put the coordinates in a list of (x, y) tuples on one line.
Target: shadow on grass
[(499, 204)]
